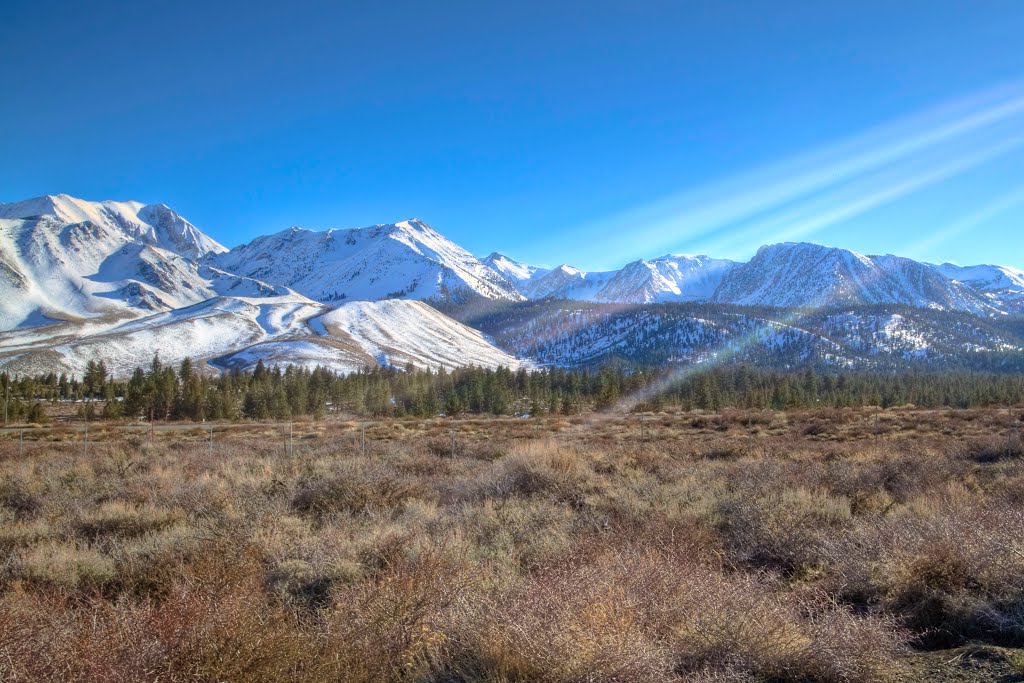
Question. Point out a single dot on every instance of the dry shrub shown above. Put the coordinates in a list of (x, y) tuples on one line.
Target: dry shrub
[(952, 571), (196, 633), (356, 486), (992, 449), (17, 496), (784, 531), (394, 627), (298, 581), (590, 556), (538, 469), (18, 534), (63, 565), (642, 615), (120, 519)]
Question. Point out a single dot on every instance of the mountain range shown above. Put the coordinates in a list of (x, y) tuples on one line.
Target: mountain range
[(120, 280)]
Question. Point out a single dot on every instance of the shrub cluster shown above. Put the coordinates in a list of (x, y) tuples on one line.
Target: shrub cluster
[(719, 548)]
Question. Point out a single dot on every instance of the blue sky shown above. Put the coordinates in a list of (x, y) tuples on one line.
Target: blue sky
[(591, 132)]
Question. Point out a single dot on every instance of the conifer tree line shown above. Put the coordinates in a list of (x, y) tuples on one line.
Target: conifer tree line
[(163, 392)]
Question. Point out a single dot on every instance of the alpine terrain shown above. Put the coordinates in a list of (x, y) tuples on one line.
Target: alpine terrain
[(118, 281)]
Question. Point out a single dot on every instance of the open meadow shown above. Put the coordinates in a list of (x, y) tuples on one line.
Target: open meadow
[(833, 545)]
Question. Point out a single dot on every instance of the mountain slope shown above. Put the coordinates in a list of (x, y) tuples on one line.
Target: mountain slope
[(814, 276), (1002, 285), (397, 332), (202, 331), (359, 334), (669, 278), (584, 334), (232, 332), (408, 260), (64, 259), (512, 270)]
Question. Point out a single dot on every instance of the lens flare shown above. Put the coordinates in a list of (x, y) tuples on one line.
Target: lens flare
[(976, 218), (943, 136)]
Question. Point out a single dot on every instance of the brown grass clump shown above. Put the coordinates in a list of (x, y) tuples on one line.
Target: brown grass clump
[(839, 546)]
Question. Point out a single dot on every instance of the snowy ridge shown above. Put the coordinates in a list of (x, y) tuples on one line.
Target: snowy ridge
[(154, 224), (408, 260), (516, 272), (397, 332), (65, 259), (202, 331), (1002, 285), (812, 276), (566, 282), (669, 278), (119, 280)]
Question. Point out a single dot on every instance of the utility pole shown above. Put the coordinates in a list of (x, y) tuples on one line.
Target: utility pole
[(7, 396), (86, 440), (211, 439), (21, 443), (453, 443), (291, 441), (362, 446), (642, 434)]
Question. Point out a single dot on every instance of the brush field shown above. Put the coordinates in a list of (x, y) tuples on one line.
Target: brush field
[(761, 546)]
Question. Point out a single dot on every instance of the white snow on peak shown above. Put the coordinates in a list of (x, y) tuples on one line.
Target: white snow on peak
[(408, 260), (679, 277), (515, 271), (156, 224), (1003, 285), (667, 278), (63, 258), (811, 275), (397, 332)]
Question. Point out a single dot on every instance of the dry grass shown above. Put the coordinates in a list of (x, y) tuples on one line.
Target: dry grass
[(760, 547)]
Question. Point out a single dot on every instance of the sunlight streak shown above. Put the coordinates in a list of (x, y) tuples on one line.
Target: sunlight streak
[(1000, 204), (703, 211)]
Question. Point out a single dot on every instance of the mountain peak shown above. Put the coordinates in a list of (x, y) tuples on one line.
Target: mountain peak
[(156, 224), (407, 259)]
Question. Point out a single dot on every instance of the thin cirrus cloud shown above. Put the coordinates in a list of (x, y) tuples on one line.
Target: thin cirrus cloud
[(832, 184)]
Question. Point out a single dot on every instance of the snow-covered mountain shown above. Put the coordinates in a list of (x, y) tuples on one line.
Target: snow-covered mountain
[(153, 224), (406, 260), (813, 276), (119, 280), (284, 330), (567, 282), (66, 259), (1002, 285), (515, 271), (673, 277)]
